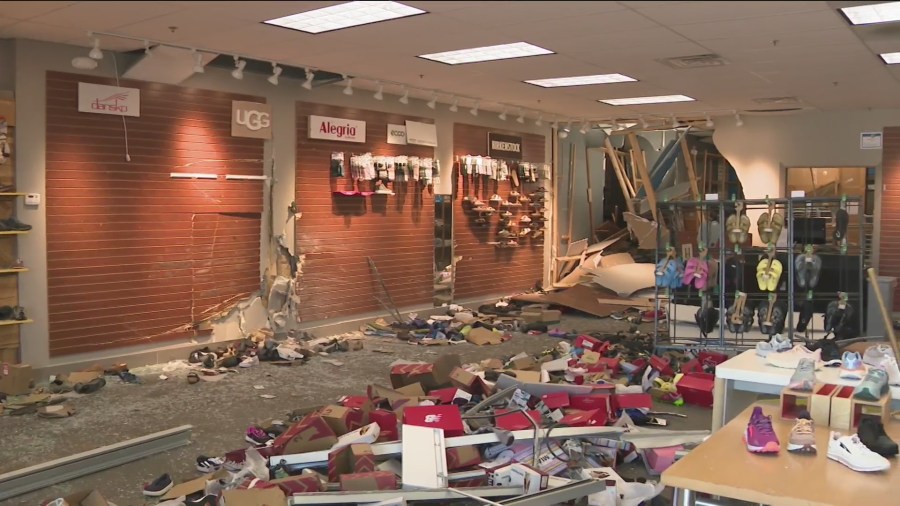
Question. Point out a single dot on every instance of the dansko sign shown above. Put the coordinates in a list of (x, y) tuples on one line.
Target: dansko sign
[(251, 119), (504, 146), (102, 99), (337, 129)]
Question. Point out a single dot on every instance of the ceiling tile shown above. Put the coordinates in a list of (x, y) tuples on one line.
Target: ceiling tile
[(670, 13), (103, 16), (505, 15), (28, 10), (38, 31), (191, 24), (770, 25)]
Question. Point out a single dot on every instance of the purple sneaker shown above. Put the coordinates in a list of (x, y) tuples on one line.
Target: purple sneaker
[(257, 436), (759, 436)]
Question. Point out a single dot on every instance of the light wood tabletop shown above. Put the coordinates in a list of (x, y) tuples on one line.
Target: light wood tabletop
[(722, 466)]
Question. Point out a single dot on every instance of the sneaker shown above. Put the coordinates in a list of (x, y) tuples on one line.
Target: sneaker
[(851, 452), (875, 355), (233, 466), (209, 464), (804, 377), (249, 361), (524, 219), (257, 436), (206, 500), (871, 433), (889, 364), (159, 486), (852, 367), (286, 353), (759, 435), (506, 215), (873, 386), (776, 344), (495, 198), (803, 435), (651, 316), (503, 233), (618, 315), (791, 359)]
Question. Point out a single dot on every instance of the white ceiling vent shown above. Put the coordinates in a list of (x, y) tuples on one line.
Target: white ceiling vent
[(777, 101), (695, 61), (166, 64)]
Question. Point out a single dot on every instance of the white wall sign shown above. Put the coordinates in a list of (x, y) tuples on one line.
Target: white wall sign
[(423, 134), (396, 134), (251, 119), (870, 140), (337, 129), (102, 99)]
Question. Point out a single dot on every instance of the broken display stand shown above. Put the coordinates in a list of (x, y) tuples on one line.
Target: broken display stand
[(806, 220)]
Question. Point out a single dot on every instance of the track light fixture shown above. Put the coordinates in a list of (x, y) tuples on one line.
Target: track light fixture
[(454, 105), (310, 75), (502, 115), (348, 90), (433, 102), (584, 127), (674, 121), (644, 123), (539, 121), (379, 95), (564, 132), (198, 62), (147, 48), (95, 52), (554, 125), (276, 71), (709, 122), (521, 118), (404, 99), (474, 110), (738, 122), (239, 64)]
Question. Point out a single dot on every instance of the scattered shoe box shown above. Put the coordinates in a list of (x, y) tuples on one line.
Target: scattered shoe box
[(252, 497), (15, 379), (434, 375), (445, 395), (693, 365), (412, 390), (591, 343), (611, 364), (308, 435), (378, 480), (461, 457), (84, 498), (697, 388), (341, 419), (841, 416), (465, 380), (301, 484), (632, 401), (517, 474), (468, 479), (556, 400), (662, 366), (436, 417), (516, 421), (590, 357), (590, 418), (660, 459), (367, 434), (357, 458), (591, 401), (711, 358), (387, 422)]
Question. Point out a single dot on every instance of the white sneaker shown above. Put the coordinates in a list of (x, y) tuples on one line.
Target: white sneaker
[(874, 355), (791, 358), (889, 364), (249, 361), (776, 344), (851, 452), (288, 354)]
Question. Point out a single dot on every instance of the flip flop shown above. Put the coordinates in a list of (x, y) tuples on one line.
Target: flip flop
[(813, 270), (777, 226), (768, 273), (744, 225), (841, 219), (701, 275), (712, 273), (762, 276), (661, 268), (676, 267), (800, 264), (806, 314), (690, 268), (763, 229), (732, 226)]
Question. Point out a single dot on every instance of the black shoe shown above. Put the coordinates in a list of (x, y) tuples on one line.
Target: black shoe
[(90, 387), (7, 313), (159, 486), (207, 500), (871, 433), (14, 224), (806, 314)]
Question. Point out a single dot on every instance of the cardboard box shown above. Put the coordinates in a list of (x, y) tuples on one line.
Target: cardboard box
[(516, 421), (434, 375), (880, 409), (193, 486), (387, 422), (341, 419), (364, 435), (356, 458), (445, 395), (412, 390), (697, 388), (15, 379), (480, 336), (524, 364), (530, 478), (527, 376), (447, 418), (378, 480), (465, 380), (308, 435), (353, 401), (469, 480), (461, 457), (253, 497), (820, 404), (841, 416), (302, 484), (551, 315)]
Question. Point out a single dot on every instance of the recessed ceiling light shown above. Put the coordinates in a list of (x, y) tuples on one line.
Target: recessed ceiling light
[(890, 58), (487, 53), (344, 15), (661, 99), (874, 13), (581, 80)]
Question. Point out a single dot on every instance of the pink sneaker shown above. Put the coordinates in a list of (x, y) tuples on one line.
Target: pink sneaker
[(759, 436)]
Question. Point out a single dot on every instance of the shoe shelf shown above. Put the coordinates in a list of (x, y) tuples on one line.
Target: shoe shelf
[(841, 270), (4, 323), (13, 271), (12, 194), (14, 232)]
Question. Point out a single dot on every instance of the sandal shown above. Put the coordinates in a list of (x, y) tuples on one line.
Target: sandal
[(192, 378)]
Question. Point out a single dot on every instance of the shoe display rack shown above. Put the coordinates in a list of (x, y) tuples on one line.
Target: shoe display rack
[(806, 283), (11, 313)]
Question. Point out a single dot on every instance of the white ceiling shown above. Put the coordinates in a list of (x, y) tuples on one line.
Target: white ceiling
[(775, 48)]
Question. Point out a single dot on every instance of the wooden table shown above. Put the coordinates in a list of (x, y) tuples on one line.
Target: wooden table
[(722, 466)]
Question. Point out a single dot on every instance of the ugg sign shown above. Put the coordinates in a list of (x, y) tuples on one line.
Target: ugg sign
[(337, 129), (251, 119)]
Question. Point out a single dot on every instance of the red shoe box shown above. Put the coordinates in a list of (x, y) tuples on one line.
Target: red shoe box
[(444, 395), (465, 380), (711, 358), (516, 421), (302, 484), (354, 401), (578, 418), (343, 420), (435, 375), (660, 459), (591, 343), (310, 434), (387, 422), (611, 363), (692, 365), (591, 401), (436, 417), (356, 458), (697, 388), (662, 366), (378, 480), (632, 401), (556, 400), (462, 456)]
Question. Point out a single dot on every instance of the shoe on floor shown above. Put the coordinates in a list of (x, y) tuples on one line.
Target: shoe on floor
[(851, 452), (159, 486), (791, 359), (651, 316), (257, 436), (873, 386), (803, 435), (759, 435), (871, 433), (206, 500), (249, 361), (209, 464), (804, 377), (90, 387), (852, 367), (776, 344)]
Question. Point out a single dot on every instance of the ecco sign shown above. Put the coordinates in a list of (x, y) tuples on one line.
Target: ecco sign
[(337, 129), (396, 134), (504, 146), (251, 119)]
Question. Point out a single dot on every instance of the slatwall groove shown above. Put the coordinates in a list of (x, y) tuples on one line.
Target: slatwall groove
[(337, 233), (889, 259), (131, 252), (486, 269)]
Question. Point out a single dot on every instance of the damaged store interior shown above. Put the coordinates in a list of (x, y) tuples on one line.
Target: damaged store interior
[(384, 253)]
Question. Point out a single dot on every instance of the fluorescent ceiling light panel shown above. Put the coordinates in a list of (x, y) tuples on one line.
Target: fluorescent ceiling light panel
[(661, 99), (874, 13), (344, 15), (581, 80), (890, 58), (487, 53)]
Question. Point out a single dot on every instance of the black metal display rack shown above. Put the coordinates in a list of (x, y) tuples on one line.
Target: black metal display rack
[(806, 221)]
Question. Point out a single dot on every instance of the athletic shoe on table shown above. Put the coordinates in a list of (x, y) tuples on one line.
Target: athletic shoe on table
[(804, 377), (852, 367), (873, 386), (209, 464), (871, 433), (776, 344), (159, 486), (874, 355), (803, 435), (851, 452), (791, 359), (759, 435)]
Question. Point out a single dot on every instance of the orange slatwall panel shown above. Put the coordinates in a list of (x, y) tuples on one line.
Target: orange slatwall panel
[(889, 251)]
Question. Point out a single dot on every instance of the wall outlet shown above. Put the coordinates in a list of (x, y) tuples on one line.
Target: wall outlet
[(32, 199)]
